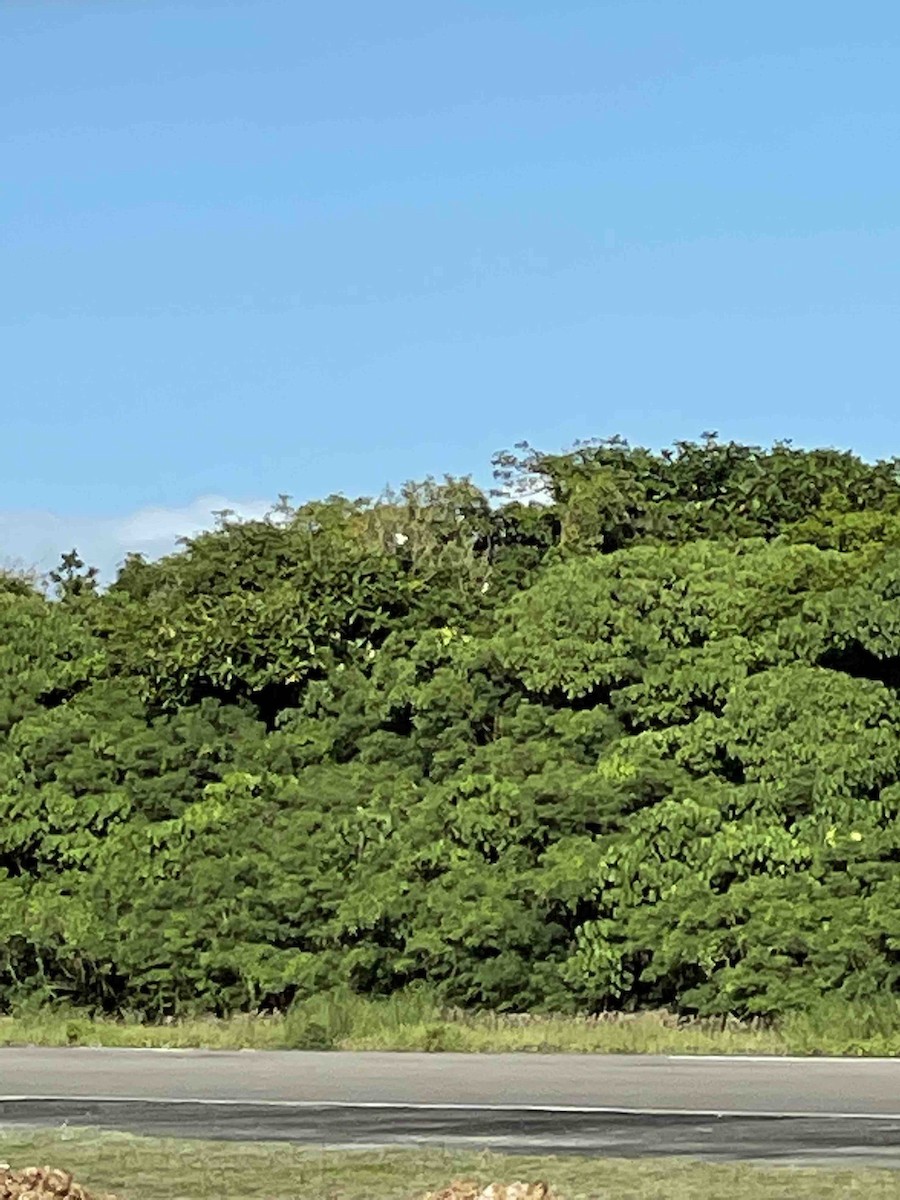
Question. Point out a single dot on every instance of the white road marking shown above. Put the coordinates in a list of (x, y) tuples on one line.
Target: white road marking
[(400, 1106), (810, 1060)]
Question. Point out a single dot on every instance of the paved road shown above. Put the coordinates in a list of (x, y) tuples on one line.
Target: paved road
[(799, 1110)]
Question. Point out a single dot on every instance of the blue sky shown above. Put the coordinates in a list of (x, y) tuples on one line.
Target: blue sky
[(273, 246)]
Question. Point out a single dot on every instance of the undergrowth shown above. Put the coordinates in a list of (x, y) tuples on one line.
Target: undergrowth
[(414, 1021)]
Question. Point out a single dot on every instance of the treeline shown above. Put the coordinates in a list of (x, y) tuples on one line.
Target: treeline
[(624, 734)]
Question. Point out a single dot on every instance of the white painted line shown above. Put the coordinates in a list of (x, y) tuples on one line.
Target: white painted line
[(808, 1060), (398, 1106)]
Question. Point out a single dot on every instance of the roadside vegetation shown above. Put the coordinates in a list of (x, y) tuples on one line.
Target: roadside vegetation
[(154, 1169), (623, 737), (407, 1022)]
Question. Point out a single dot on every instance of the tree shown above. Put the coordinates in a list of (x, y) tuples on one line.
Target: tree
[(72, 579), (625, 734)]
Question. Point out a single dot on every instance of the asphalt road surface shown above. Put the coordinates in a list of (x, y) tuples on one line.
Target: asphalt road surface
[(796, 1110)]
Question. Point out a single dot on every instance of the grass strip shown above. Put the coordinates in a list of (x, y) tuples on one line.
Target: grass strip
[(414, 1022), (138, 1168)]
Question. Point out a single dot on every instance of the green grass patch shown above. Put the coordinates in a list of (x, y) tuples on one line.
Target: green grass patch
[(137, 1168), (414, 1021)]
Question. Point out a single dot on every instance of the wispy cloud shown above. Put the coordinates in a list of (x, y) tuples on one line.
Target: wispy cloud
[(37, 539)]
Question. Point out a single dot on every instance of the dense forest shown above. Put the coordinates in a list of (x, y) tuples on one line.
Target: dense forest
[(621, 732)]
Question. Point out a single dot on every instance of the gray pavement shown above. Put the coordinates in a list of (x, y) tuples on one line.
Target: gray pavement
[(852, 1086), (809, 1110)]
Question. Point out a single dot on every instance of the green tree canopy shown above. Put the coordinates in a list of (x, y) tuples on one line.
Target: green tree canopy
[(625, 733)]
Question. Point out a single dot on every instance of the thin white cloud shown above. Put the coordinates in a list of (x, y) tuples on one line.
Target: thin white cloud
[(37, 539)]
